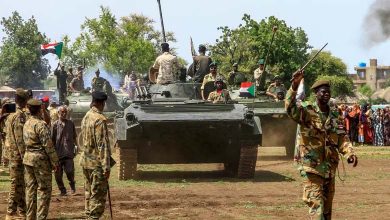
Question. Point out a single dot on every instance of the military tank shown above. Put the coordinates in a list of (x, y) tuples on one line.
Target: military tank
[(174, 126)]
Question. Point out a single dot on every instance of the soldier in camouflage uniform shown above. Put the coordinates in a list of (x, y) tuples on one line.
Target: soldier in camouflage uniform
[(14, 138), (95, 156), (98, 82), (39, 160), (4, 145), (322, 137), (212, 76), (276, 90), (220, 95)]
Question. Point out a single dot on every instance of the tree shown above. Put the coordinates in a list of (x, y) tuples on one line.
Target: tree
[(339, 85), (366, 90), (250, 42), (20, 57), (131, 43)]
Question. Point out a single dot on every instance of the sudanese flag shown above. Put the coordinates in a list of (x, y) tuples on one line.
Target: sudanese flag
[(247, 89), (55, 48)]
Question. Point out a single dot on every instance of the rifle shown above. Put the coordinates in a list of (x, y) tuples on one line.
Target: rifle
[(162, 22), (193, 52), (109, 199), (264, 75), (308, 62)]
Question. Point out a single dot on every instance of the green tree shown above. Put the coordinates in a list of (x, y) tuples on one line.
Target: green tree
[(366, 90), (131, 43), (340, 85), (20, 57), (249, 42)]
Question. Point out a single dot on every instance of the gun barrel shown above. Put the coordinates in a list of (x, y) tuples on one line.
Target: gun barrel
[(162, 21)]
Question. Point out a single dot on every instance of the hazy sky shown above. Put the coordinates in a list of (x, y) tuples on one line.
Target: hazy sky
[(338, 22)]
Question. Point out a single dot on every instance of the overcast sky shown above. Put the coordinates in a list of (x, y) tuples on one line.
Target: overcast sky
[(338, 22)]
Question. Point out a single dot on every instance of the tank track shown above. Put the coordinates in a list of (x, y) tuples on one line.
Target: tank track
[(247, 162), (127, 164)]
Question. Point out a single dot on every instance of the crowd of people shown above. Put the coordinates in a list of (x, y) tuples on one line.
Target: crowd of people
[(366, 125), (38, 138)]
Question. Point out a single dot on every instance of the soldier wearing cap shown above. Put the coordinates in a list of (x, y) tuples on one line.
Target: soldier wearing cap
[(77, 83), (61, 81), (95, 156), (14, 138), (211, 77), (219, 95), (276, 90), (201, 64), (5, 112), (236, 77), (45, 113), (39, 160), (98, 82), (321, 138), (259, 75), (167, 66)]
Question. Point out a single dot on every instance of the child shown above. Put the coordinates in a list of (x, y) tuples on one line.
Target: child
[(361, 133)]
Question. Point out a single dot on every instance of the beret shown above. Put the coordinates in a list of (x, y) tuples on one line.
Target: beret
[(213, 64), (45, 99), (319, 83), (34, 102), (98, 95), (261, 61), (21, 93)]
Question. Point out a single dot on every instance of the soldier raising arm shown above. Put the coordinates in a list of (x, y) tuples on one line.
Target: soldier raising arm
[(322, 137)]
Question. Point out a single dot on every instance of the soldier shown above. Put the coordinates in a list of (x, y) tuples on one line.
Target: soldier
[(61, 81), (322, 137), (201, 64), (45, 114), (63, 134), (212, 76), (235, 77), (167, 66), (53, 112), (95, 156), (39, 160), (220, 95), (98, 82), (276, 90), (14, 137), (77, 83), (259, 75), (70, 77), (5, 112)]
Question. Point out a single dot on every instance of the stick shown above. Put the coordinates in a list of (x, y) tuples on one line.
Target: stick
[(109, 200)]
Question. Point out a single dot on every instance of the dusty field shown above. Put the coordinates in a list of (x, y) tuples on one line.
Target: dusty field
[(201, 192)]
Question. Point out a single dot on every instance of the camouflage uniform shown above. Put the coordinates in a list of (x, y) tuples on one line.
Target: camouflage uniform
[(210, 78), (77, 84), (98, 84), (53, 112), (14, 139), (4, 144), (39, 159), (274, 89), (219, 97), (321, 139), (167, 66), (95, 160)]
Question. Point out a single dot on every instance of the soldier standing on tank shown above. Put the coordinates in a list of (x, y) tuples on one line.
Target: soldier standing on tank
[(98, 82), (201, 64), (77, 84), (69, 78), (167, 66), (95, 156), (39, 160), (259, 75), (322, 137), (276, 88), (236, 77), (14, 137), (61, 81)]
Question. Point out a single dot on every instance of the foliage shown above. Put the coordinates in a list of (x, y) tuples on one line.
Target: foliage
[(129, 44), (387, 83), (366, 90), (20, 57), (378, 101), (250, 42), (339, 85)]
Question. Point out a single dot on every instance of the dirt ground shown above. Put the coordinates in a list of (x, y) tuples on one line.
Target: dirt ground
[(202, 192)]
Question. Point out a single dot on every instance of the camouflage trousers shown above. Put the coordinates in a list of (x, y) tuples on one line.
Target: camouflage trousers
[(38, 190), (16, 198), (318, 193), (96, 187)]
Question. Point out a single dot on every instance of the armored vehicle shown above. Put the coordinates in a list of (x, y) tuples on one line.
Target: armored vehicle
[(175, 126)]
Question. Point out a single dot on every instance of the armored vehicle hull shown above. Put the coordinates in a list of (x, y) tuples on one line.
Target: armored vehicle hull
[(178, 130)]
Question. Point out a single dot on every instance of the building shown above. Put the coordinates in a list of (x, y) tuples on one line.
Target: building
[(374, 76)]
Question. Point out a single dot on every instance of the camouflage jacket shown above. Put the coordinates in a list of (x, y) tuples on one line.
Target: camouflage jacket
[(219, 97), (321, 138), (39, 147), (4, 143), (274, 89), (210, 78), (14, 134), (98, 83), (96, 150), (167, 66)]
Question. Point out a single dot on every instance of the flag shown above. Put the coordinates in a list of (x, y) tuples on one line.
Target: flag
[(247, 89), (55, 48)]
